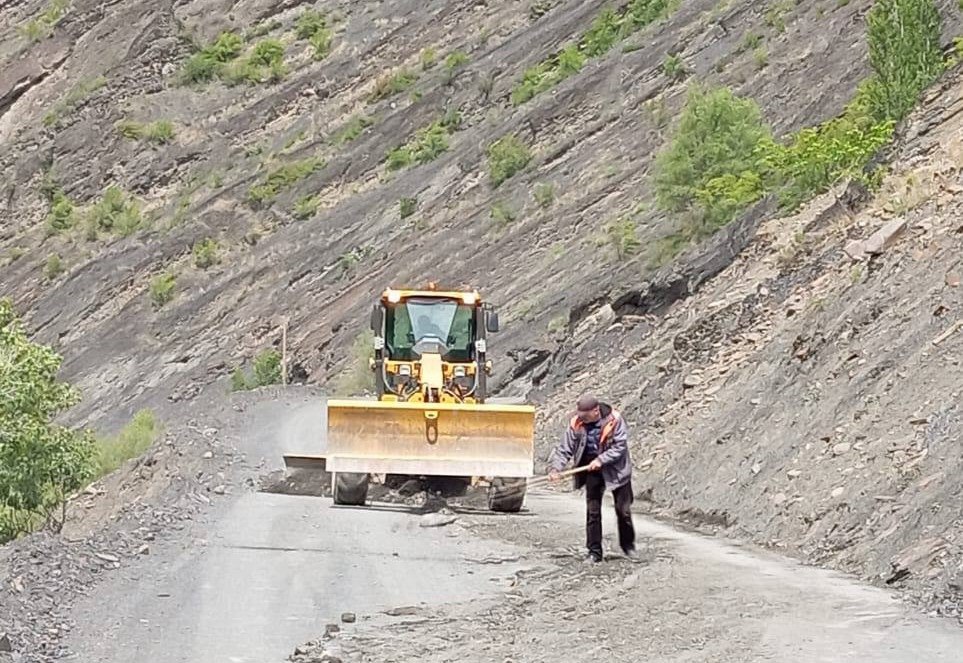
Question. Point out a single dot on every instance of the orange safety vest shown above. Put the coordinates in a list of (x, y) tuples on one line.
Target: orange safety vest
[(606, 429)]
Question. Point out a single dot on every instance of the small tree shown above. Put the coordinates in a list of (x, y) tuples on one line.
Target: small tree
[(904, 50), (718, 134), (41, 462)]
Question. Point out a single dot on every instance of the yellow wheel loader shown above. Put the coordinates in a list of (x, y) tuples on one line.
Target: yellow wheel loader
[(431, 415)]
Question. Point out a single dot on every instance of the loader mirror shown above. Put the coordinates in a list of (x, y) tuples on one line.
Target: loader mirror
[(491, 322), (377, 315)]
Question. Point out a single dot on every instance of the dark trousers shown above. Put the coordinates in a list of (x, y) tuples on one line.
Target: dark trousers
[(594, 489)]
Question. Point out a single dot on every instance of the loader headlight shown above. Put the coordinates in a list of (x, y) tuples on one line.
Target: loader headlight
[(404, 369), (394, 296), (459, 371)]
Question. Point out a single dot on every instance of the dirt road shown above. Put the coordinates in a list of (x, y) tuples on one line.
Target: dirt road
[(273, 570)]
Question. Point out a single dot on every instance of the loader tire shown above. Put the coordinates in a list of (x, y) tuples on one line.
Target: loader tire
[(507, 494), (350, 488)]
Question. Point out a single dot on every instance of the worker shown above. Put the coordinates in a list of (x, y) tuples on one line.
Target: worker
[(598, 437)]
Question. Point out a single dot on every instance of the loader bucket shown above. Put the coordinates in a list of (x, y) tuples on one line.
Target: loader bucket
[(447, 439)]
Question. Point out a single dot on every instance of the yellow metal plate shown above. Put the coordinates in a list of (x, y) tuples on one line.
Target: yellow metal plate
[(450, 439)]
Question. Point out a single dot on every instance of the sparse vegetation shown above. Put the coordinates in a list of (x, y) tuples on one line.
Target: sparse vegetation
[(264, 63), (353, 128), (132, 441), (161, 131), (306, 207), (544, 195), (206, 253), (455, 61), (162, 289), (53, 268), (622, 238), (428, 58), (115, 213), (61, 217), (210, 61), (359, 377), (313, 26), (674, 68), (608, 28), (506, 157), (502, 214), (41, 462), (427, 144), (77, 95), (284, 177), (407, 207), (43, 26), (390, 85)]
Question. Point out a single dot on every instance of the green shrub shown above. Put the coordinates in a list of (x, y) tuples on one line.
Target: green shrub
[(718, 134), (502, 214), (321, 42), (284, 177), (132, 441), (264, 63), (61, 217), (353, 128), (393, 84), (206, 253), (209, 62), (622, 238), (454, 61), (506, 157), (41, 462), (115, 213), (815, 158), (425, 146), (306, 207), (267, 368), (904, 50), (266, 371), (674, 68), (162, 289), (607, 29), (310, 23), (407, 207), (544, 195), (161, 131), (428, 58), (53, 268)]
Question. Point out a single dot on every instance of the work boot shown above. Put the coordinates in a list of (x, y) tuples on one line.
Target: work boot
[(592, 558), (631, 554)]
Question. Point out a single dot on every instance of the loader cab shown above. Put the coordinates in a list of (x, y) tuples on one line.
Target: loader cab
[(431, 345)]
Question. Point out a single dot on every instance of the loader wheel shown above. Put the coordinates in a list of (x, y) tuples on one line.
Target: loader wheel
[(506, 494), (350, 488)]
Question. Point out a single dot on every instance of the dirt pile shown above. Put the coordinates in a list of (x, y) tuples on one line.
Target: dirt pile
[(808, 396)]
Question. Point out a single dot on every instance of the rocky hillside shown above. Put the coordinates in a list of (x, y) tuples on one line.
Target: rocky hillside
[(179, 177), (808, 396)]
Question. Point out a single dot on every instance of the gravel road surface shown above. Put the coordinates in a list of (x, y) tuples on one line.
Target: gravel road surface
[(268, 572)]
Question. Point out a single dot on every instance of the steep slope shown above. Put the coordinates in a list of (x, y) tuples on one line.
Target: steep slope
[(282, 162), (592, 137), (808, 397)]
